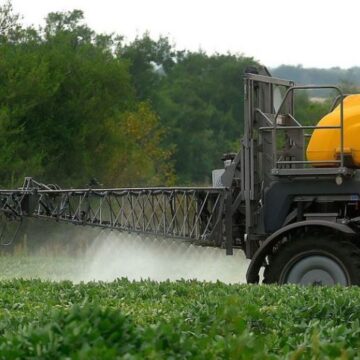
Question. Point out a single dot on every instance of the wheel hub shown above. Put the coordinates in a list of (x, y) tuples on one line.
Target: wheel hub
[(315, 270)]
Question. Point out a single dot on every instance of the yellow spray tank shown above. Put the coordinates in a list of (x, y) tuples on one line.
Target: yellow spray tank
[(324, 144)]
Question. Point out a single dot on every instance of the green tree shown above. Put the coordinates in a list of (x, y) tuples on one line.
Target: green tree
[(137, 137), (62, 93), (149, 61), (200, 101), (9, 23)]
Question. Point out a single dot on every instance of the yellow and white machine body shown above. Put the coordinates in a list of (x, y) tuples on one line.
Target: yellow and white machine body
[(324, 144)]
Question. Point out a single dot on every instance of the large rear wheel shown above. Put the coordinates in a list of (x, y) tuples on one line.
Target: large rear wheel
[(315, 261)]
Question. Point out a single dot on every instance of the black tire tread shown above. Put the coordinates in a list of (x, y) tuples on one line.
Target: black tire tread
[(349, 253)]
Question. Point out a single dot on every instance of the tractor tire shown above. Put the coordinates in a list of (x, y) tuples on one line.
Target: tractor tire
[(315, 261)]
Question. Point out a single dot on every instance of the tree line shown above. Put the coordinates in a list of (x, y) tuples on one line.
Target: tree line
[(333, 75), (76, 105)]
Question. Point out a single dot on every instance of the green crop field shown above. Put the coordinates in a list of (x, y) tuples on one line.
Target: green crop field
[(184, 319)]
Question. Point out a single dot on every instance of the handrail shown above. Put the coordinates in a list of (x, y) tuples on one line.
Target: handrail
[(288, 162), (309, 87), (335, 102), (306, 127)]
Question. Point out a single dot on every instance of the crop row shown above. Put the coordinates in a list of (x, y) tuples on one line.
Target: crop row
[(185, 319)]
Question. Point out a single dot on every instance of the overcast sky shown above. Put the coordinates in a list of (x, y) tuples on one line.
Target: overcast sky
[(314, 33)]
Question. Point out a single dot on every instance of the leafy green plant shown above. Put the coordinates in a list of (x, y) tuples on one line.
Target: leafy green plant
[(179, 320)]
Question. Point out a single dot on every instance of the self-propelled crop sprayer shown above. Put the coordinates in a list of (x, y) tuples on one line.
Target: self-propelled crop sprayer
[(290, 198)]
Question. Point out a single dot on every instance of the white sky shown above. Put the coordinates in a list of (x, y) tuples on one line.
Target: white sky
[(314, 33)]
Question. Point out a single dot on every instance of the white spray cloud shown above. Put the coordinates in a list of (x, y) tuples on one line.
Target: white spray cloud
[(113, 255), (103, 255)]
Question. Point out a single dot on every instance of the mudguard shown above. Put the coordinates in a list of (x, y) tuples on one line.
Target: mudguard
[(252, 275)]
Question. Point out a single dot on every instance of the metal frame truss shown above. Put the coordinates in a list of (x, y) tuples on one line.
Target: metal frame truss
[(195, 214)]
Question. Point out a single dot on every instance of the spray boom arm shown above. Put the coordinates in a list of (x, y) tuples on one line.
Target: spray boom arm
[(194, 214)]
